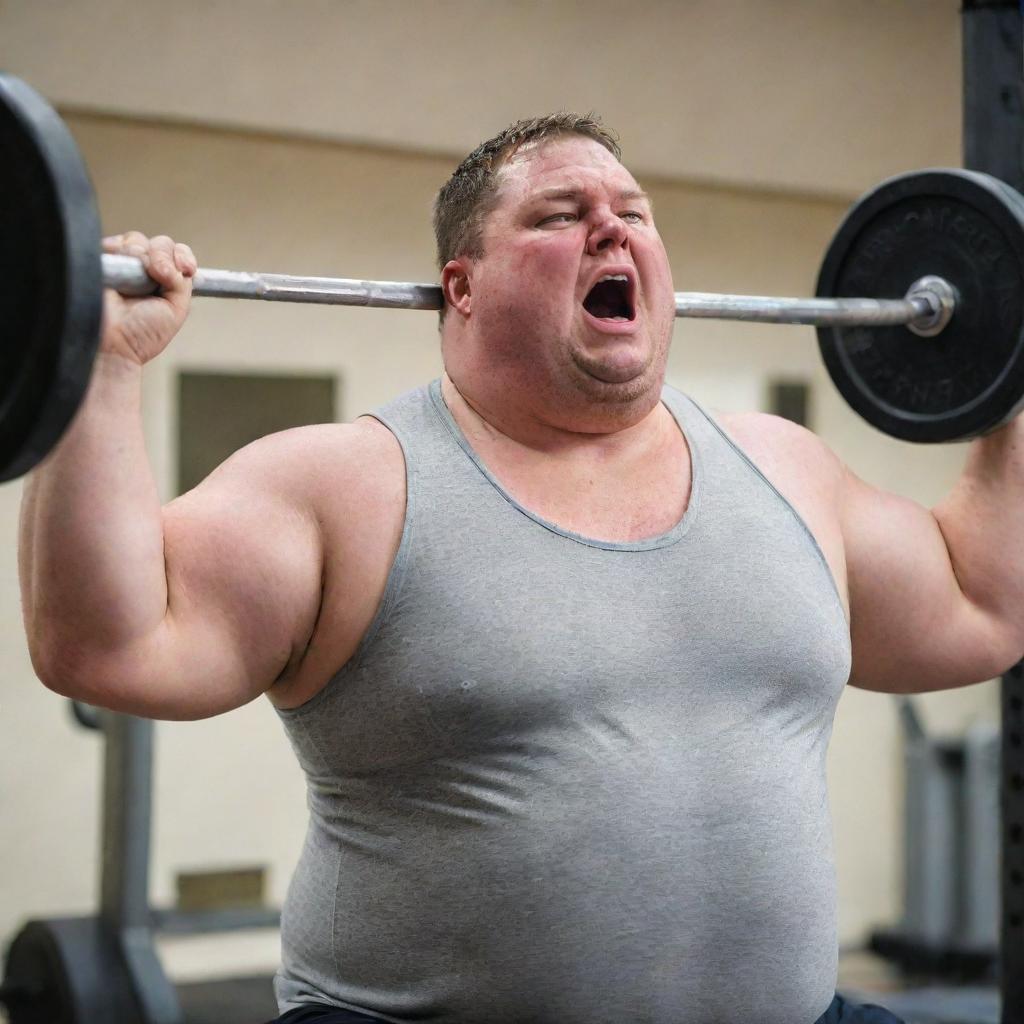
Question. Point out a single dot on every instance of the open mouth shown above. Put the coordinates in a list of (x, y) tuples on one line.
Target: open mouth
[(611, 299)]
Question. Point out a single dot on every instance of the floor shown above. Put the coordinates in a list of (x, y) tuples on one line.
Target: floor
[(234, 1001), (869, 979)]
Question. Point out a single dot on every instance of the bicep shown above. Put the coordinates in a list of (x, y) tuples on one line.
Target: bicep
[(243, 557), (912, 627)]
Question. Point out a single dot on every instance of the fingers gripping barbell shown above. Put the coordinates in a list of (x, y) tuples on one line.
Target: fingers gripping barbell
[(919, 307)]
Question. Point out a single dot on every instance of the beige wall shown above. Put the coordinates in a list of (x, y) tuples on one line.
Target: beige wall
[(818, 96), (228, 791)]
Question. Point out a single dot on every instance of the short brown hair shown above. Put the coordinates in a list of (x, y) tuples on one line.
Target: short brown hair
[(469, 194)]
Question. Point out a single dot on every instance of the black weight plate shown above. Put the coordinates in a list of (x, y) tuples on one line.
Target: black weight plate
[(68, 971), (51, 286), (969, 229)]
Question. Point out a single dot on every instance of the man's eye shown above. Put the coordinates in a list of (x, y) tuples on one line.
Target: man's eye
[(558, 218), (632, 216)]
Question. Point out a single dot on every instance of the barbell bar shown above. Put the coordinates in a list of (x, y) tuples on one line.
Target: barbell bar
[(935, 253), (927, 307)]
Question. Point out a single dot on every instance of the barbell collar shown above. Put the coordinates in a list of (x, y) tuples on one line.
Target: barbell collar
[(922, 305), (941, 297)]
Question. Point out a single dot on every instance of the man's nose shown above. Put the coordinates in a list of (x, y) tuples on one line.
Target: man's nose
[(608, 232)]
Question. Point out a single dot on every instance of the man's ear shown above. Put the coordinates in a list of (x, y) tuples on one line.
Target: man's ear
[(456, 287)]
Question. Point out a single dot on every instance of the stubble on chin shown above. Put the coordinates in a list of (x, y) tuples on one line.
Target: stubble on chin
[(596, 406), (589, 379)]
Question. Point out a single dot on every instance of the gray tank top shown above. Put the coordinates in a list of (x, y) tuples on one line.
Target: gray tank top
[(564, 780)]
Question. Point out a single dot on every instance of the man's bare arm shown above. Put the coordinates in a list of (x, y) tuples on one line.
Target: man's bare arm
[(937, 597), (175, 614)]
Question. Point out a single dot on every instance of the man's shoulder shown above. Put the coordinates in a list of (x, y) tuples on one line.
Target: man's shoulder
[(767, 429), (325, 464), (781, 447), (321, 446)]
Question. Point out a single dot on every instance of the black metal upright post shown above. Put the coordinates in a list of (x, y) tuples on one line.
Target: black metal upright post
[(124, 876), (1012, 928), (993, 126)]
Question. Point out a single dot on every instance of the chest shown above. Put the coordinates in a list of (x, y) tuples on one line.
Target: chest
[(615, 493), (506, 632)]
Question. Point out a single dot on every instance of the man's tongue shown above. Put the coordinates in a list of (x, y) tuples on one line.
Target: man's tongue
[(607, 300)]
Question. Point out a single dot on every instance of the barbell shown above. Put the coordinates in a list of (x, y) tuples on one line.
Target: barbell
[(919, 303)]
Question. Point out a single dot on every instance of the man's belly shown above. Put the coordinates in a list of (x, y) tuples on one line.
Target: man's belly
[(530, 886)]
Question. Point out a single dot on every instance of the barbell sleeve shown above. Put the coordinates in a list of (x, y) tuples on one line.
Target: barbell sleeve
[(927, 306)]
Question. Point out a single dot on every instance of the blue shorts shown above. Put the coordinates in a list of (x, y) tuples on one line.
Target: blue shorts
[(840, 1012)]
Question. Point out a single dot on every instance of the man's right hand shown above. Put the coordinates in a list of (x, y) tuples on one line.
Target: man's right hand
[(139, 329)]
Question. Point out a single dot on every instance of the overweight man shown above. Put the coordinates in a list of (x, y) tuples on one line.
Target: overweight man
[(557, 651)]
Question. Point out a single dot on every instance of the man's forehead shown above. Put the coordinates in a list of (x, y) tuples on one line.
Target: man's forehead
[(564, 164)]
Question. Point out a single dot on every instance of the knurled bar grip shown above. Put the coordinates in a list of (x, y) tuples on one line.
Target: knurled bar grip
[(127, 275), (924, 305)]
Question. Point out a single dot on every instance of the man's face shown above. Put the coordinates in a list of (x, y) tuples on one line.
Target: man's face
[(544, 316)]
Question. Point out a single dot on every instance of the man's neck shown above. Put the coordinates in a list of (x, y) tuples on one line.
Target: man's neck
[(495, 426), (622, 485)]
